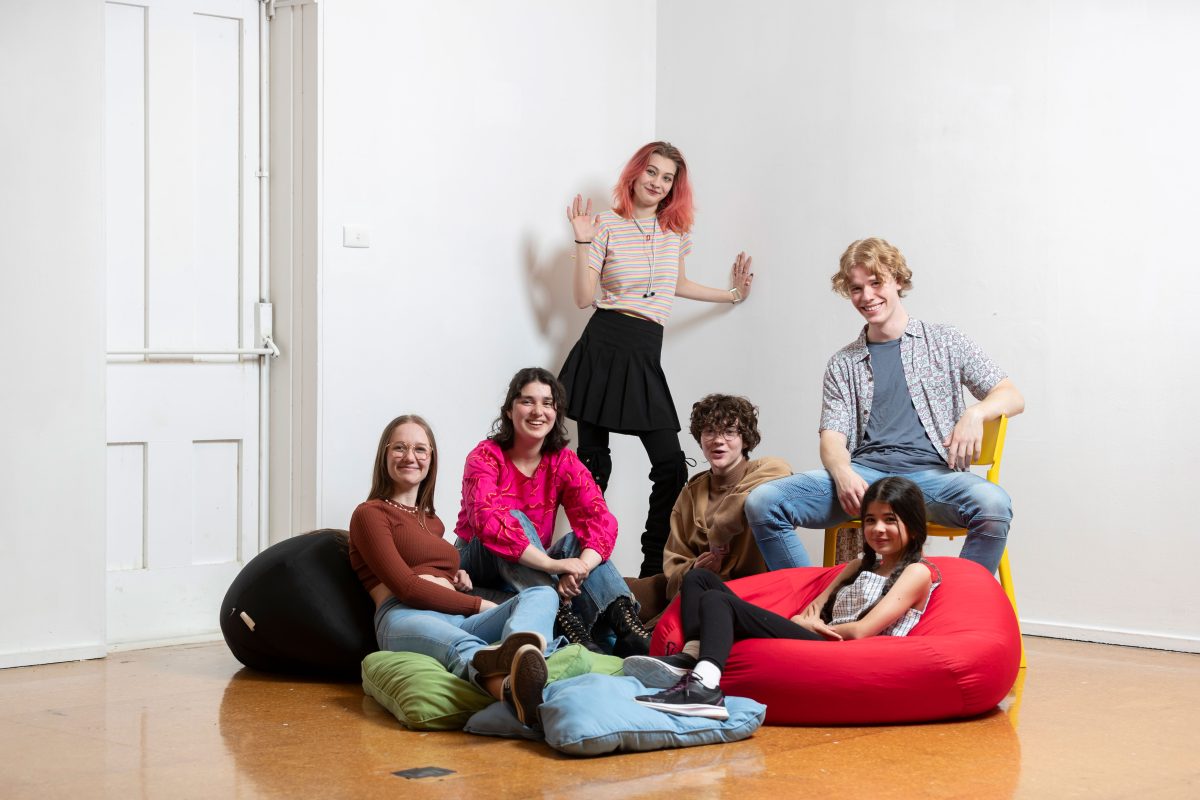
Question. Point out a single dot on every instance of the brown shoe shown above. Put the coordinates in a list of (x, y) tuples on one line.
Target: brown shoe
[(522, 690), (497, 659)]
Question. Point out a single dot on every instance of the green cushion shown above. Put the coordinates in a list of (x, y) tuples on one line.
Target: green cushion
[(424, 696)]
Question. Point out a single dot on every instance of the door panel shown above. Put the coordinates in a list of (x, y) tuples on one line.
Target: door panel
[(183, 274)]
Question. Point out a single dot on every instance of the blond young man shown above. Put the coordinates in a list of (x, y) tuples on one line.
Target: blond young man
[(892, 404)]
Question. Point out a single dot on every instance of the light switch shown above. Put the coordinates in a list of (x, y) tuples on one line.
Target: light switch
[(356, 236)]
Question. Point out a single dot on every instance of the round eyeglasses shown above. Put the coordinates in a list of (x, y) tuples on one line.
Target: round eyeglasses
[(419, 451), (712, 434)]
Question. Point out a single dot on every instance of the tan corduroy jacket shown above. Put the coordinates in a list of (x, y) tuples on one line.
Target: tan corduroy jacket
[(694, 526)]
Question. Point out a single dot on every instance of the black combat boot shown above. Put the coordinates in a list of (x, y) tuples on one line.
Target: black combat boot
[(632, 638), (569, 624)]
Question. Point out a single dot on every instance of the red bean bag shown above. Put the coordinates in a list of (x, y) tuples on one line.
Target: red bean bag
[(960, 660)]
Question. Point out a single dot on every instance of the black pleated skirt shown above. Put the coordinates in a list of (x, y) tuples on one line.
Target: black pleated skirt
[(614, 378)]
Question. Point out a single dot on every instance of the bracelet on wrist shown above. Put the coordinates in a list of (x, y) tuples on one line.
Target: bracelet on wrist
[(736, 294), (579, 242)]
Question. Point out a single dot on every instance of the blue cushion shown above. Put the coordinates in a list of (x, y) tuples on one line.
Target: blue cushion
[(595, 714), (497, 720)]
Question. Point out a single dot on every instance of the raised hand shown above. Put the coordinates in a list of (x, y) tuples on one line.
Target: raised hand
[(741, 274), (581, 219)]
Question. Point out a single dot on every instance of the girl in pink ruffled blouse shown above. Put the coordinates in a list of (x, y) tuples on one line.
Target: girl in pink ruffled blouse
[(513, 483)]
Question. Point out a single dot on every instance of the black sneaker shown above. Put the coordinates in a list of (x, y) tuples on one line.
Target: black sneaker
[(522, 689), (497, 659), (689, 698), (659, 672)]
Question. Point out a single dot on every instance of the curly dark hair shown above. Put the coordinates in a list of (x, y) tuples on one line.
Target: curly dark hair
[(503, 433), (908, 502), (720, 411)]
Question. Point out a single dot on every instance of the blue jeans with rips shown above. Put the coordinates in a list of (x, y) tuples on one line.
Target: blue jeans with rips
[(452, 639), (600, 588), (809, 500)]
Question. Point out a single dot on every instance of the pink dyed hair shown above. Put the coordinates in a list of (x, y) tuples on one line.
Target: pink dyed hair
[(676, 211)]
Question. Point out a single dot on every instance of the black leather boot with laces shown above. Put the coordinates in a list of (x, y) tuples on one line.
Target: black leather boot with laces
[(632, 638), (569, 624)]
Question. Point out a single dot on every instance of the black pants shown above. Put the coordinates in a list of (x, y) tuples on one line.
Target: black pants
[(712, 613), (668, 474)]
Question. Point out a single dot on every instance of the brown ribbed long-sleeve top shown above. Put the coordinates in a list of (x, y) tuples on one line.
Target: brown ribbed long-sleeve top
[(389, 546)]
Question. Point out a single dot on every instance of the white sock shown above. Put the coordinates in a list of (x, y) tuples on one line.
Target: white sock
[(708, 673), (691, 648)]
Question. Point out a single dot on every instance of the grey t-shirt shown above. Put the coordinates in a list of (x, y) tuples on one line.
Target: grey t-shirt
[(895, 441)]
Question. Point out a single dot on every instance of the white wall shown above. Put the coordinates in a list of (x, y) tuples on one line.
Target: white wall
[(457, 132), (52, 321), (1037, 164)]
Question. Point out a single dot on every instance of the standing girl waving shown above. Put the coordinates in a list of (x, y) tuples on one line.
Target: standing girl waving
[(635, 255)]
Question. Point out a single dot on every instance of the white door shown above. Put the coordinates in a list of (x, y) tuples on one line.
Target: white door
[(184, 276)]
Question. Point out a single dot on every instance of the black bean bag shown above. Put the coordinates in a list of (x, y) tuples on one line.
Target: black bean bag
[(298, 607)]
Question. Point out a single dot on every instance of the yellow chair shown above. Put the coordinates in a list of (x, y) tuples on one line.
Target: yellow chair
[(990, 453)]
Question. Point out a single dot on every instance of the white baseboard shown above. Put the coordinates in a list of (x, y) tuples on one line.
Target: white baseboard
[(199, 638), (1083, 633), (33, 657)]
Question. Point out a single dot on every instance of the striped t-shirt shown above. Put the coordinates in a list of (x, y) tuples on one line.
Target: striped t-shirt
[(634, 258)]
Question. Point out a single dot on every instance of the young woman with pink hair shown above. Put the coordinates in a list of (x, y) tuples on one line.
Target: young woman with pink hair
[(635, 254)]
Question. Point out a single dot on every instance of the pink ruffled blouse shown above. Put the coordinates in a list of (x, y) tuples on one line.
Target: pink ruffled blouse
[(493, 487)]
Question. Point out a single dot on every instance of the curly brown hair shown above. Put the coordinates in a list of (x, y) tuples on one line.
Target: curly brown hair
[(719, 411)]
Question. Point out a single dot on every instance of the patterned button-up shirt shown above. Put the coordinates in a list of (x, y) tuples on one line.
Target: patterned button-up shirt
[(938, 360)]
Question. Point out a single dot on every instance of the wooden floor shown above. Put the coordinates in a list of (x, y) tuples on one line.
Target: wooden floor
[(1089, 720)]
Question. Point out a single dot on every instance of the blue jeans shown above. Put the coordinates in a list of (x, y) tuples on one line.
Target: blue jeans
[(600, 588), (452, 639), (809, 500)]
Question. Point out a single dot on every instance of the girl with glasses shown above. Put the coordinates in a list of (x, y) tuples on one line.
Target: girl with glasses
[(422, 595)]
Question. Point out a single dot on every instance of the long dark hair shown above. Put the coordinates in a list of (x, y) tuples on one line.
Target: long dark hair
[(906, 500), (503, 432), (381, 483)]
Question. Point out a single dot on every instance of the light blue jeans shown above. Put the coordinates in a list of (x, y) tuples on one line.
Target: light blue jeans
[(600, 588), (809, 500), (452, 639)]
